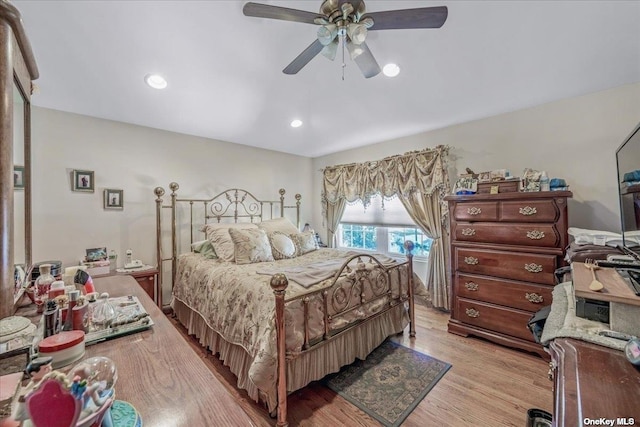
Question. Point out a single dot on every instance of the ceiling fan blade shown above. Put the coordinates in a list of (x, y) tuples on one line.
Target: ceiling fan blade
[(425, 17), (366, 62), (303, 59), (275, 12)]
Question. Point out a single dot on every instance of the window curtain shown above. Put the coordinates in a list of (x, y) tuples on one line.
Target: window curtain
[(421, 181)]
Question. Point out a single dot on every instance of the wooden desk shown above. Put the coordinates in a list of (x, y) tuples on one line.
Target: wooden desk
[(160, 375), (592, 382)]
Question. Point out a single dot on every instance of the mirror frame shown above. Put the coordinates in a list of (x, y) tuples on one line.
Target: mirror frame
[(17, 69)]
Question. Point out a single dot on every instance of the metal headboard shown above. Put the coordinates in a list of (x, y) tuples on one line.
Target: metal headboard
[(233, 204)]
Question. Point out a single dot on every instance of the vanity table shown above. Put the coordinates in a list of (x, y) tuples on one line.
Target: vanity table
[(160, 375)]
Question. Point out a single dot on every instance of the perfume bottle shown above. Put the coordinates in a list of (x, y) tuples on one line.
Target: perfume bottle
[(42, 286)]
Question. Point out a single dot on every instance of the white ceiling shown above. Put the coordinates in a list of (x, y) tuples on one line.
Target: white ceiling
[(225, 69)]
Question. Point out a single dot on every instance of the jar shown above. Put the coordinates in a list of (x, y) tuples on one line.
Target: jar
[(56, 289), (103, 313), (42, 286)]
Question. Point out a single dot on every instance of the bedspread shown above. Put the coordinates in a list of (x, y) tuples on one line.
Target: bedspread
[(239, 304)]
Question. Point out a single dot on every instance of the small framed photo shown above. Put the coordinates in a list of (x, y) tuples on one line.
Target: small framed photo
[(18, 177), (113, 199), (96, 254), (82, 181)]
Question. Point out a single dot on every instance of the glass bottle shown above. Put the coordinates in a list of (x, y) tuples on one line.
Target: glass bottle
[(42, 286)]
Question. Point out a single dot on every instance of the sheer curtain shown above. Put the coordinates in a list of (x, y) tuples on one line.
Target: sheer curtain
[(420, 179)]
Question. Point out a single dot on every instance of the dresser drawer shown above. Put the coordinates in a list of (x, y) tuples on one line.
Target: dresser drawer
[(540, 235), (476, 211), (519, 295), (529, 211), (505, 320), (527, 267)]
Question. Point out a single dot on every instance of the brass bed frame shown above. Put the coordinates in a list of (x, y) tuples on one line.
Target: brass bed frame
[(235, 204)]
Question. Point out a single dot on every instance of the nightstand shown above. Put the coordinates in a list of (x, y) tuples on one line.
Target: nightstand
[(147, 279)]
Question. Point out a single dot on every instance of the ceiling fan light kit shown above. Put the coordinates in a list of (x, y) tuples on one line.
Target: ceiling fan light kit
[(346, 22)]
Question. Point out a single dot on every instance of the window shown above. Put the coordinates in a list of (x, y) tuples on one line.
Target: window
[(381, 230)]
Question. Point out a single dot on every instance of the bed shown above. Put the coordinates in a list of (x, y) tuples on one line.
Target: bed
[(278, 310)]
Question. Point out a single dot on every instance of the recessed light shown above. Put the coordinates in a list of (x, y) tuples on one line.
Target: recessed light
[(296, 123), (156, 81), (391, 70)]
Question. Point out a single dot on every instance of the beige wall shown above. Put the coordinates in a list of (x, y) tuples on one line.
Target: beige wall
[(574, 139), (137, 159)]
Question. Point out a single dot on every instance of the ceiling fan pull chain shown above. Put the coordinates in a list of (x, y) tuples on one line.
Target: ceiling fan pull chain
[(344, 63)]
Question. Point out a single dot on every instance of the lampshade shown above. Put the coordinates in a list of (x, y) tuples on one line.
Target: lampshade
[(326, 34), (330, 50), (357, 33), (354, 50)]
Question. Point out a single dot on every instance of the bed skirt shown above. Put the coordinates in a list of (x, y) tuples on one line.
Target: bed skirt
[(310, 365)]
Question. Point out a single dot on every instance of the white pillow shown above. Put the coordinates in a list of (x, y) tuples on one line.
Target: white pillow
[(282, 225), (218, 235), (251, 245), (282, 246), (305, 242)]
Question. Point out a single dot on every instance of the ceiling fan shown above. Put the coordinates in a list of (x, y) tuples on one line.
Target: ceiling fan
[(345, 23)]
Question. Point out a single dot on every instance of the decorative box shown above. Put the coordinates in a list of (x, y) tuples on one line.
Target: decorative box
[(65, 347), (505, 186)]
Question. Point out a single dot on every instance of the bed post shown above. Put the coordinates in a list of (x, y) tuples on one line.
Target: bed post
[(279, 285), (298, 197), (159, 192), (408, 246), (174, 245), (281, 191)]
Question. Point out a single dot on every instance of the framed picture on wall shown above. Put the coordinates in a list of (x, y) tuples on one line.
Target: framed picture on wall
[(82, 181), (18, 177), (113, 199)]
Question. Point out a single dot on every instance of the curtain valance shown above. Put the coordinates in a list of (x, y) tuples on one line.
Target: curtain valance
[(422, 171)]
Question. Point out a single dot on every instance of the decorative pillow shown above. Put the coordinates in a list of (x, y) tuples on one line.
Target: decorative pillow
[(218, 235), (204, 248), (282, 225), (282, 246), (251, 245), (305, 242)]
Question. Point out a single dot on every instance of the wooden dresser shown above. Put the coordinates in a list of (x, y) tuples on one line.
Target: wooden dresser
[(505, 249)]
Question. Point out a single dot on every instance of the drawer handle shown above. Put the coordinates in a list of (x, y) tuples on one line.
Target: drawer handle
[(535, 234), (470, 260), (534, 297), (474, 211), (471, 286), (472, 312), (533, 268), (468, 232), (528, 211)]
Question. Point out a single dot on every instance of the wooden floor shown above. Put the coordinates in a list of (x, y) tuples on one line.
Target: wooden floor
[(488, 385)]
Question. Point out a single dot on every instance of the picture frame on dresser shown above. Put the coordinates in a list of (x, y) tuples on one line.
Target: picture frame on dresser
[(82, 180), (113, 199)]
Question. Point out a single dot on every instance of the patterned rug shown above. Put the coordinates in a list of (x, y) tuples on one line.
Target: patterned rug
[(390, 383)]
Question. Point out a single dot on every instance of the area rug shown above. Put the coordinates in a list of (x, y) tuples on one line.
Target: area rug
[(390, 383)]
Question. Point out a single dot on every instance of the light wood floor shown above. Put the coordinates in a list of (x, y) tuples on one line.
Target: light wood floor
[(488, 385)]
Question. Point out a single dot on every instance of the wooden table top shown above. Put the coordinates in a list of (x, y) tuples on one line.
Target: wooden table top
[(160, 375), (615, 287), (594, 382)]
